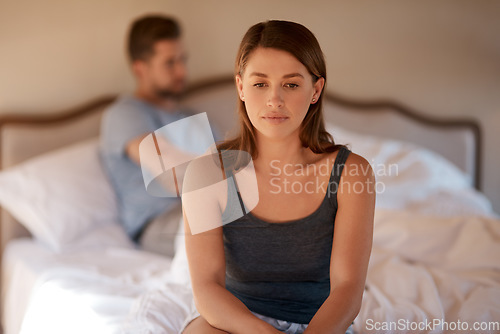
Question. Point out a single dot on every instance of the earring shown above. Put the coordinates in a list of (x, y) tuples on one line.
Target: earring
[(314, 100)]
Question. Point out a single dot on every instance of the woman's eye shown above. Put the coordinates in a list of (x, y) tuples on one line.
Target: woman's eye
[(291, 85), (259, 84)]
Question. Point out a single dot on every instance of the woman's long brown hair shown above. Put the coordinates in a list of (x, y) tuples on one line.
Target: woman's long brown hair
[(297, 40)]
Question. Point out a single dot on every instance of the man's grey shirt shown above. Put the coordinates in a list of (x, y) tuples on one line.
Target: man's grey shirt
[(123, 121)]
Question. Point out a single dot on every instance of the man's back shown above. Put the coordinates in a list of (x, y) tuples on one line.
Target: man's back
[(125, 120)]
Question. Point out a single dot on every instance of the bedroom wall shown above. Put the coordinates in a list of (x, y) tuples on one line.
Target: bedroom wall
[(439, 57)]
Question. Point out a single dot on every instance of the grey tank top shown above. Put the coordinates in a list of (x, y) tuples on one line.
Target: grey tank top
[(282, 270)]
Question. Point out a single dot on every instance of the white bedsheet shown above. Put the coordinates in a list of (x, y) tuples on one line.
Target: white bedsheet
[(424, 269), (20, 270), (50, 293)]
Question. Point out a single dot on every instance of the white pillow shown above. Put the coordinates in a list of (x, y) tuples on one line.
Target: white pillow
[(62, 196), (414, 163), (411, 177)]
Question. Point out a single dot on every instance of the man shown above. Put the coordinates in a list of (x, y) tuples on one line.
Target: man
[(158, 62)]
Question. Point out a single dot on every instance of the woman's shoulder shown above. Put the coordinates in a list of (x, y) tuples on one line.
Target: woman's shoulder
[(355, 166), (202, 171)]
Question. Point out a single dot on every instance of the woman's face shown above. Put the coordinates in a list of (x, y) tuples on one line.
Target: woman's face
[(277, 90)]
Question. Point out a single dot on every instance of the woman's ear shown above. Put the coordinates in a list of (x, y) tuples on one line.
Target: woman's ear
[(318, 89), (239, 86)]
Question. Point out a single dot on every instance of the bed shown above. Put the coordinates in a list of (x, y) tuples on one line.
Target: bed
[(67, 266)]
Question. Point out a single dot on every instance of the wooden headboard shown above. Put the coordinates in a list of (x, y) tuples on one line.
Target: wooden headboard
[(24, 135)]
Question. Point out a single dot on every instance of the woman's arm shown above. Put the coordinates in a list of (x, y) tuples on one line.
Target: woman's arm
[(215, 303), (351, 249), (207, 267)]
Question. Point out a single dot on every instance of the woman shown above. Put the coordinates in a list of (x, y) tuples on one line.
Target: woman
[(297, 262)]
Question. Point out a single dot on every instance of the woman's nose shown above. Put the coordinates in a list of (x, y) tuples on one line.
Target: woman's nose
[(275, 99)]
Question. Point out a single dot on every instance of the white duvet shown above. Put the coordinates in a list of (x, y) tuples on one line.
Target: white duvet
[(435, 257), (426, 269)]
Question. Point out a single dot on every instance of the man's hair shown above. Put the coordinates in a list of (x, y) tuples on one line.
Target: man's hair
[(146, 31)]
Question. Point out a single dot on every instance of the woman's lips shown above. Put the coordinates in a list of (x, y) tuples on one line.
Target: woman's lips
[(275, 119)]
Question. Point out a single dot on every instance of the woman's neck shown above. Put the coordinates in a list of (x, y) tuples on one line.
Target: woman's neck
[(278, 153)]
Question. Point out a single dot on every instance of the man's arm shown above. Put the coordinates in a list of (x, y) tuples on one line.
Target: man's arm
[(159, 156), (132, 148), (351, 249)]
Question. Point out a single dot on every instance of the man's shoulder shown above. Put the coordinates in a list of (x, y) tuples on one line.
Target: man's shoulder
[(128, 105), (124, 120)]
